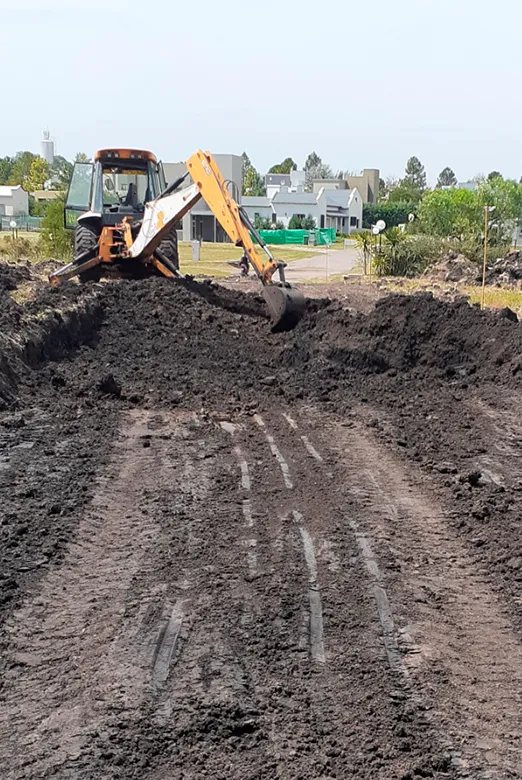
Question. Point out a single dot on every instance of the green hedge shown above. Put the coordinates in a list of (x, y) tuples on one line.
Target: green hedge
[(392, 213)]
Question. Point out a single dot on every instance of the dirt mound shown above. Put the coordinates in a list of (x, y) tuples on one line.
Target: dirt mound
[(417, 332), (454, 268), (40, 324), (506, 270), (11, 276)]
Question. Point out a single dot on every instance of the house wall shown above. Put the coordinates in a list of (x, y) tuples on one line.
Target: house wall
[(285, 210), (367, 184), (15, 203), (264, 211), (200, 221)]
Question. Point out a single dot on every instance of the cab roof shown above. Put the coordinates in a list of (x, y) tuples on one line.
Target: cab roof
[(124, 154)]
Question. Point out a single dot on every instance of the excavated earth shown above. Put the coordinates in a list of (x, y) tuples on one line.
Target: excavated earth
[(236, 555)]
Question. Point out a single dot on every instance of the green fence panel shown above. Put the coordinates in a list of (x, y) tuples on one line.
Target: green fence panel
[(322, 237), (325, 236)]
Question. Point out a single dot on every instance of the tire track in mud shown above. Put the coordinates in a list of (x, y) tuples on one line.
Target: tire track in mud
[(77, 653), (459, 650), (328, 668)]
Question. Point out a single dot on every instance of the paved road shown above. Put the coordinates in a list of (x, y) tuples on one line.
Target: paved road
[(321, 266)]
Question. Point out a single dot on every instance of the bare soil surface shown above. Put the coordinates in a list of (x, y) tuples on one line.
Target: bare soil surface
[(230, 554)]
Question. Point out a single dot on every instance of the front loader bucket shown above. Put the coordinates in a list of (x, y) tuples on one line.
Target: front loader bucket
[(286, 306)]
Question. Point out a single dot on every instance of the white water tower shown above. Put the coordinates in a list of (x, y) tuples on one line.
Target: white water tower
[(47, 147)]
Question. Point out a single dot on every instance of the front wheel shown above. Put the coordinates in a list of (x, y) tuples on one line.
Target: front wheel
[(169, 247), (86, 237)]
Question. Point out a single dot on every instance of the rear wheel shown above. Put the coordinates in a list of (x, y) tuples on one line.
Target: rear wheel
[(169, 247), (86, 237)]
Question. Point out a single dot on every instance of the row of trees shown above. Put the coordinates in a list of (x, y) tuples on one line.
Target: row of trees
[(413, 185), (33, 173)]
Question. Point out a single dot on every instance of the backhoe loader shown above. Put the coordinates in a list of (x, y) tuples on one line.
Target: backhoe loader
[(127, 224)]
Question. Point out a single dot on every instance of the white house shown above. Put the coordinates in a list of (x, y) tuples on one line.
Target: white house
[(344, 210), (13, 201), (340, 209)]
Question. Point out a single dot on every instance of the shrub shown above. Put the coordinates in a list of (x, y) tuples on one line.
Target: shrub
[(405, 255), (392, 213), (55, 240)]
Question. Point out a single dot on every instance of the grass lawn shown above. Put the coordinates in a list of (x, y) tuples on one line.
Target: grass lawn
[(494, 298), (214, 258), (32, 235)]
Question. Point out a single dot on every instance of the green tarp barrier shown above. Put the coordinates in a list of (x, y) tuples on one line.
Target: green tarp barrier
[(322, 236)]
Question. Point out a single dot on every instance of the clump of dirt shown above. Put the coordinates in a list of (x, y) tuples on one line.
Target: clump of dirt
[(454, 268), (12, 275), (506, 270)]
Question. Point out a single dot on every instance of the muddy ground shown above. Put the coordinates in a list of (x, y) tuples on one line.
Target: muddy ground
[(230, 554)]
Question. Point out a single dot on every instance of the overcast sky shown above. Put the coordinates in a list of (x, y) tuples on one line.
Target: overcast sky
[(364, 84)]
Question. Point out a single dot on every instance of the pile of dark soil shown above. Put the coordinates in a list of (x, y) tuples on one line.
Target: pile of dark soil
[(454, 268), (420, 333), (11, 276), (38, 323), (414, 362), (506, 270)]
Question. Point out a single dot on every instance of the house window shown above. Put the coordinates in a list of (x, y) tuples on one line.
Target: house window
[(274, 218), (322, 221), (257, 215), (354, 222)]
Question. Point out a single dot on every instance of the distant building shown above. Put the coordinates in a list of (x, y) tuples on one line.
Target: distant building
[(200, 222), (339, 209), (44, 196), (367, 184), (14, 201), (47, 146)]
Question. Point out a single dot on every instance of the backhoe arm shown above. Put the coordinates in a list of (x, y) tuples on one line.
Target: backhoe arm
[(210, 183)]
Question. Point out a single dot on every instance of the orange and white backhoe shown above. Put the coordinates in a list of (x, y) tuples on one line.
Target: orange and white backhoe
[(126, 220)]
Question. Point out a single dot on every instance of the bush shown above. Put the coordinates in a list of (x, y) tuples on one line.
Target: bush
[(405, 255), (472, 247), (55, 240), (393, 214), (301, 223), (261, 223)]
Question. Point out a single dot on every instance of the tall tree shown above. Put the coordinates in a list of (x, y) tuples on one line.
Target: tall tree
[(245, 164), (285, 167), (61, 171), (6, 166), (314, 168), (446, 178), (21, 167), (38, 174), (253, 183), (81, 157), (415, 174), (494, 175)]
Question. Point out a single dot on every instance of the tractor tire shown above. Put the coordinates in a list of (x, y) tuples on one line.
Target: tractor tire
[(86, 237), (169, 247)]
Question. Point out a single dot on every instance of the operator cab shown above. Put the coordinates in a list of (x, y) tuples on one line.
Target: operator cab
[(118, 183)]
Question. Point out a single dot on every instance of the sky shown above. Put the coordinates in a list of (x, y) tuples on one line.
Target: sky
[(364, 84)]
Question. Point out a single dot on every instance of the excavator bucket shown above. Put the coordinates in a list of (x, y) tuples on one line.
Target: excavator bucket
[(286, 306)]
